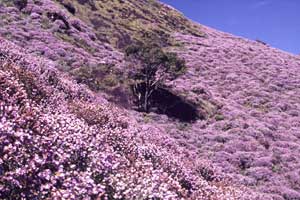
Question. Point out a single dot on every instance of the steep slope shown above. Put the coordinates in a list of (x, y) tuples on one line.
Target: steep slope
[(86, 38), (47, 29), (247, 92), (255, 134), (59, 140), (121, 22)]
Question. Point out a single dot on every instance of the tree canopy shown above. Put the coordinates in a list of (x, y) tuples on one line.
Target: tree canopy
[(152, 66)]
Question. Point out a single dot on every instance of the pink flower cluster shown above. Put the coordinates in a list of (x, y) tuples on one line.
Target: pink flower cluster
[(254, 133), (57, 141)]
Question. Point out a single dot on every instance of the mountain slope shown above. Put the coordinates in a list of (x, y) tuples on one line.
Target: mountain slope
[(59, 140), (123, 22), (255, 134), (246, 92)]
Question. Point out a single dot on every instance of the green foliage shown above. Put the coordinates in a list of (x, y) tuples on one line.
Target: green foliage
[(45, 23), (153, 59), (146, 118), (121, 22), (6, 2), (183, 126), (101, 77), (153, 67), (219, 117), (276, 168)]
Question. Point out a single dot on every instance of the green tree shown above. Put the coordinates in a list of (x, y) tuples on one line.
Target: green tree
[(152, 66)]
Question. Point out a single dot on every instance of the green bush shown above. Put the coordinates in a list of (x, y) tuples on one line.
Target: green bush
[(152, 67), (101, 77)]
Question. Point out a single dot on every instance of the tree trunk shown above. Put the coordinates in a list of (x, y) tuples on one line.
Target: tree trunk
[(146, 100)]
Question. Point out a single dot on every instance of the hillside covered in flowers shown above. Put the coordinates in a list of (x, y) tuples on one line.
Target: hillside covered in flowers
[(226, 128), (58, 140)]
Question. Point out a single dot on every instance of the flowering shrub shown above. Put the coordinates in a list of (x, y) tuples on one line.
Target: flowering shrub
[(58, 142), (254, 135)]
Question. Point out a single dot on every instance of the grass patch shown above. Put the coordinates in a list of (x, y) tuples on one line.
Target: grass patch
[(101, 77), (133, 18)]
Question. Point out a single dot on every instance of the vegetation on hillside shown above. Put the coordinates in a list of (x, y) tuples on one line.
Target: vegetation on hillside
[(150, 67), (58, 141), (120, 22)]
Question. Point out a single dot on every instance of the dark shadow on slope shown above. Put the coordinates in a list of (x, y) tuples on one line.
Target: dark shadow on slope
[(168, 103)]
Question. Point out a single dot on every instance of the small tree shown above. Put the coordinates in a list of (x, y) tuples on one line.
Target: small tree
[(152, 67)]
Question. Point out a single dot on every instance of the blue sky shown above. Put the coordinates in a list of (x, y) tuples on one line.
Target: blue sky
[(276, 22)]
